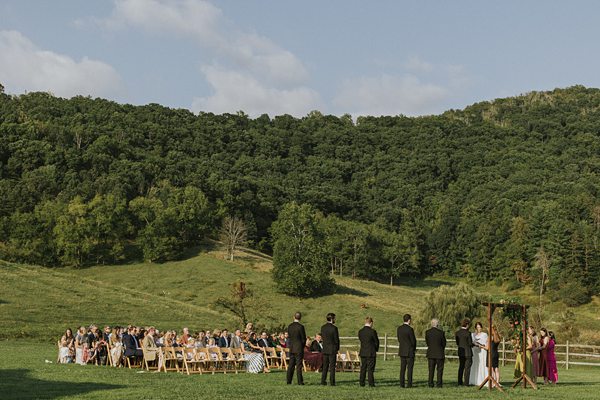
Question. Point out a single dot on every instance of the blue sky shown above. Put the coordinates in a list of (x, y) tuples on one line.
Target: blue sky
[(353, 56)]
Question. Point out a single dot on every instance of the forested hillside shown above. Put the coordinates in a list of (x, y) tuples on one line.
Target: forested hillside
[(505, 190)]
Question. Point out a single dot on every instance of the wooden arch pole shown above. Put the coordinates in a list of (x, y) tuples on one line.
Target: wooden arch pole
[(490, 380), (524, 377)]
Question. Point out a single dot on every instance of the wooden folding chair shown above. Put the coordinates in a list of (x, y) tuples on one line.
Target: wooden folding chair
[(170, 362), (109, 360), (354, 360), (215, 359), (229, 360), (240, 358), (151, 361), (133, 362), (285, 356), (272, 360), (192, 364)]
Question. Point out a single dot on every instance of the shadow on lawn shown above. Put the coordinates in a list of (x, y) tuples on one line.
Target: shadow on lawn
[(18, 384)]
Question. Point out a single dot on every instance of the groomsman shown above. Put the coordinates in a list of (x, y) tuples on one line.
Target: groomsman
[(331, 346), (297, 341), (465, 352), (408, 346), (369, 346), (436, 346)]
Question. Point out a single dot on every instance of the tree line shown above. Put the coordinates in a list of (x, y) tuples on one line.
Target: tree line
[(506, 190)]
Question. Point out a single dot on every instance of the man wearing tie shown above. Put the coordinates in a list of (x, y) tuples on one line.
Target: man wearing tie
[(297, 336), (236, 340), (408, 346), (331, 346), (369, 346), (436, 346)]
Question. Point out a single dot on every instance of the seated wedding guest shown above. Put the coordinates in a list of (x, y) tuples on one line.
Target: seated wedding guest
[(80, 346), (96, 346), (255, 362), (208, 335), (212, 343), (168, 340), (183, 340), (236, 340), (281, 340), (264, 340), (131, 343), (217, 335), (200, 340), (286, 336), (106, 333), (116, 347), (249, 328), (224, 340), (317, 344), (151, 352), (313, 359), (67, 347), (253, 343)]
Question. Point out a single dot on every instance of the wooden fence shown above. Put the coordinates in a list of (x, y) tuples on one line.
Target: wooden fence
[(567, 354)]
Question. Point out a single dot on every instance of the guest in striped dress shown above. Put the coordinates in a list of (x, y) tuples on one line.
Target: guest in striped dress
[(255, 361)]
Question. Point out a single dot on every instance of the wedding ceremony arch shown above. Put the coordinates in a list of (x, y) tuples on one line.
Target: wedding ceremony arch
[(522, 321)]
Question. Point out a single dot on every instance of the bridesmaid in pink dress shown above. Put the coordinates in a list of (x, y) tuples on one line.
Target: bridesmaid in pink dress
[(551, 359)]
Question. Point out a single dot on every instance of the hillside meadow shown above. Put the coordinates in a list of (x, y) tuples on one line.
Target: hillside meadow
[(39, 303)]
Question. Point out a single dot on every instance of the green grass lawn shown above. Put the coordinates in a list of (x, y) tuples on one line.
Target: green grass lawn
[(24, 374)]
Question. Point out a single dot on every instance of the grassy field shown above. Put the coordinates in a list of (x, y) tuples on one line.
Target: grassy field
[(24, 374), (39, 303)]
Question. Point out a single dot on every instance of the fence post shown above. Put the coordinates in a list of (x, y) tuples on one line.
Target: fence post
[(503, 352), (567, 356), (385, 347)]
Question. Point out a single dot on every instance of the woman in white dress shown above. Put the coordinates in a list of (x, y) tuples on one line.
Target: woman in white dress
[(479, 369)]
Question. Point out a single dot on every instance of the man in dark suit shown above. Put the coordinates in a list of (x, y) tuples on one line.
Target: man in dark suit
[(224, 340), (408, 346), (331, 346), (316, 346), (465, 352), (264, 340), (297, 336), (369, 346), (436, 348), (131, 343)]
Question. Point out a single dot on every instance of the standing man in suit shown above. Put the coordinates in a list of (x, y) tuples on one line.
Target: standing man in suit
[(331, 346), (436, 351), (465, 352), (408, 346), (369, 346), (297, 342)]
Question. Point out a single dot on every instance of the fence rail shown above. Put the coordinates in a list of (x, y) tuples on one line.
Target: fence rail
[(567, 354)]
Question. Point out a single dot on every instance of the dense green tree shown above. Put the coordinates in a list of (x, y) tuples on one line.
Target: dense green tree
[(300, 265)]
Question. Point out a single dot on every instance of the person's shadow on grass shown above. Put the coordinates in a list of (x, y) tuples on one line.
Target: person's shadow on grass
[(18, 384)]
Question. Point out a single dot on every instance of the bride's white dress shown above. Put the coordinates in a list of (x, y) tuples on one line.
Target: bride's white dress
[(479, 370)]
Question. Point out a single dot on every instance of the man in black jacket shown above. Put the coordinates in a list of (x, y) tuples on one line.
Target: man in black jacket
[(436, 346), (465, 352), (131, 344), (297, 336), (369, 346), (331, 346), (408, 346)]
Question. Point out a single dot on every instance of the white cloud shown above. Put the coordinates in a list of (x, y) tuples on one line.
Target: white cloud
[(253, 61), (416, 64), (390, 95), (235, 90), (26, 67)]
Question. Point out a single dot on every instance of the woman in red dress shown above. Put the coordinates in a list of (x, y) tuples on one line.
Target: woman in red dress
[(551, 359)]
